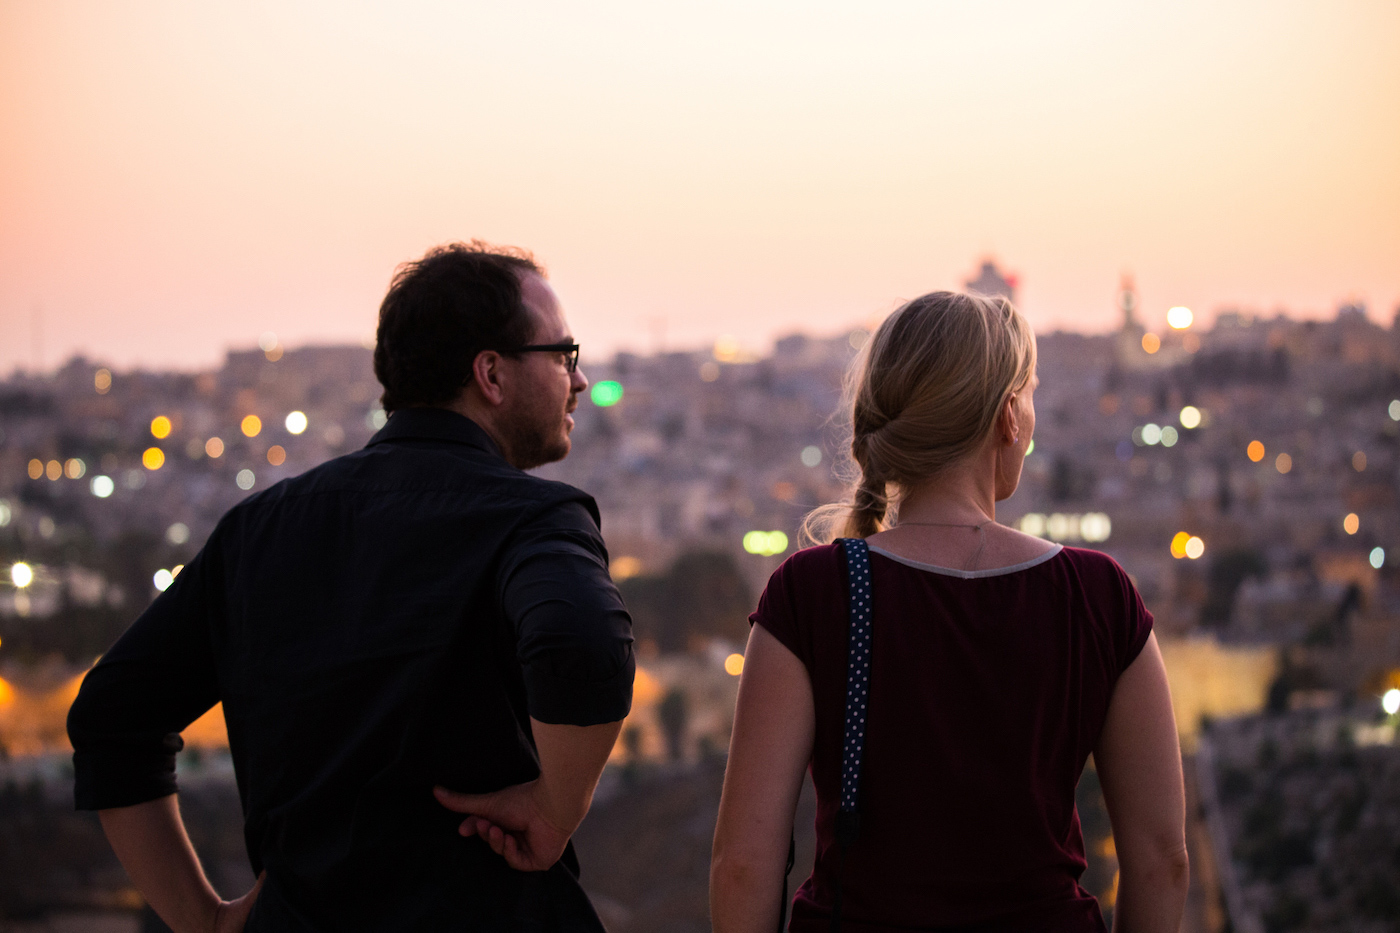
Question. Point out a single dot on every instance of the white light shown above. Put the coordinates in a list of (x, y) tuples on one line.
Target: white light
[(1033, 523), (1180, 318), (245, 479), (103, 486), (811, 456), (1378, 557), (177, 533), (1395, 410), (377, 418), (1390, 701), (1195, 547), (1169, 436), (1095, 527), (4, 513), (163, 579), (1190, 417), (296, 422), (21, 574), (267, 341), (1151, 434)]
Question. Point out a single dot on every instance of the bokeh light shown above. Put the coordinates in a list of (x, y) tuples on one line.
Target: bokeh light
[(1195, 547), (267, 340), (1179, 544), (1283, 463), (153, 458), (625, 567), (1378, 557), (1390, 702), (734, 665), (765, 543), (21, 574), (1169, 436), (245, 479), (1180, 318), (607, 393), (214, 447), (161, 427), (276, 455), (1151, 434), (1190, 417), (726, 349), (163, 579), (178, 533), (75, 468), (1151, 343), (103, 486), (1255, 450), (102, 381), (1352, 523), (709, 371), (296, 422), (1358, 461), (53, 470), (811, 456), (36, 469), (1394, 409), (251, 425)]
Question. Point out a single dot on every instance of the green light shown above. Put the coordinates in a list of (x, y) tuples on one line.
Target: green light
[(766, 543), (606, 393)]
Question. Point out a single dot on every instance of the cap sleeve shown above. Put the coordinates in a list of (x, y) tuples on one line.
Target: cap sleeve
[(800, 595), (1137, 622)]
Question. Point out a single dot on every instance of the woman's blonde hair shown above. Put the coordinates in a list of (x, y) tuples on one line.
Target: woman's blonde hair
[(924, 393)]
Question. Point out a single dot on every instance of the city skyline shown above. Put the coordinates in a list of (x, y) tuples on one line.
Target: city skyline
[(179, 181)]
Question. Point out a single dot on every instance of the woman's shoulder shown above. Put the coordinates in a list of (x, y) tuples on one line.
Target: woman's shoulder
[(819, 559)]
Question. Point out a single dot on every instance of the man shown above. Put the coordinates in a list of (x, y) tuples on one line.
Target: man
[(416, 616)]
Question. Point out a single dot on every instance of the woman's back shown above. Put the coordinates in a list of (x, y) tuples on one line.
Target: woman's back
[(988, 692)]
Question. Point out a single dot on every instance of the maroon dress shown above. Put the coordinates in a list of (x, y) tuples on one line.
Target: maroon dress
[(988, 693)]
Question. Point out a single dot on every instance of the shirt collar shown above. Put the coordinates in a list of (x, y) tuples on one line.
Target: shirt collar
[(434, 424)]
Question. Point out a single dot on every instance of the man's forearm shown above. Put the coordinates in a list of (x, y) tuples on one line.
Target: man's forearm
[(151, 843), (571, 762)]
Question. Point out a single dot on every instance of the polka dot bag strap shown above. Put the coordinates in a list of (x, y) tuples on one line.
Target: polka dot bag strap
[(857, 699)]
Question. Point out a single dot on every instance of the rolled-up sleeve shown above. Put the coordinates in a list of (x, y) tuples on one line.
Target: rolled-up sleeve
[(126, 721), (573, 634)]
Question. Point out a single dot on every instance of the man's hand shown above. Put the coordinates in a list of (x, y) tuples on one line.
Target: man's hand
[(232, 916), (530, 824), (513, 822)]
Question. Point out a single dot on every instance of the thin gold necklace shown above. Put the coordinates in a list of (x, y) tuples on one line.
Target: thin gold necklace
[(981, 535)]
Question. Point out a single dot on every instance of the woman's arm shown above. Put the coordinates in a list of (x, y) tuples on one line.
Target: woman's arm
[(1139, 764), (774, 724)]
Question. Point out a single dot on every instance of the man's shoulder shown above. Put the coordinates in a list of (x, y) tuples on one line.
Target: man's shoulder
[(400, 470)]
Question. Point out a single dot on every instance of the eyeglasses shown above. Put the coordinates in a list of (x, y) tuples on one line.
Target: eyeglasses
[(570, 351)]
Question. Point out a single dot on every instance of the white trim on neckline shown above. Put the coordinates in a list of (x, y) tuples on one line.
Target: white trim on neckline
[(968, 574)]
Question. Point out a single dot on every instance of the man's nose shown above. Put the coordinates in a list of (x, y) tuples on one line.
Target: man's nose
[(579, 382)]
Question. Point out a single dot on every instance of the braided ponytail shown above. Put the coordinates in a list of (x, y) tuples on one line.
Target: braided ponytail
[(924, 394)]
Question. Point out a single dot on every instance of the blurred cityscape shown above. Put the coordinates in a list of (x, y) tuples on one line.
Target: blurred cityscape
[(1245, 476)]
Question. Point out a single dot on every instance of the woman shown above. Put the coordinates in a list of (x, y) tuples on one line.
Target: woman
[(1000, 661)]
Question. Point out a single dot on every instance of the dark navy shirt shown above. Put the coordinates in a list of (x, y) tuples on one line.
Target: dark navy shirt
[(385, 622)]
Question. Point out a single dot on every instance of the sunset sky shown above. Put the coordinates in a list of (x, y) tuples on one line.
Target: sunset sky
[(177, 178)]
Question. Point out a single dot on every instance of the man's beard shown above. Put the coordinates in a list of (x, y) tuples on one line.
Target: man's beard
[(532, 443)]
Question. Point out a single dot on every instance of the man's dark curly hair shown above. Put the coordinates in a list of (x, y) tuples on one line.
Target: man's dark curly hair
[(443, 310)]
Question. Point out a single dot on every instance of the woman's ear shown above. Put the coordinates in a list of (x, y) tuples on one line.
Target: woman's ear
[(1009, 422)]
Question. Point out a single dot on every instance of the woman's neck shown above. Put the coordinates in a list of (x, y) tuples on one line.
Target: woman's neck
[(963, 495)]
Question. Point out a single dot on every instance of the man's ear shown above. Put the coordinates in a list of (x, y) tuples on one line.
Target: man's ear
[(486, 377)]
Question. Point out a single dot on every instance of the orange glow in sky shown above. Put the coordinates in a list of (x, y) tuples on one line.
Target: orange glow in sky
[(176, 179)]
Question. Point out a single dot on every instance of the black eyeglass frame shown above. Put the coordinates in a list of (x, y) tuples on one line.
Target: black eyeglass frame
[(570, 350)]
